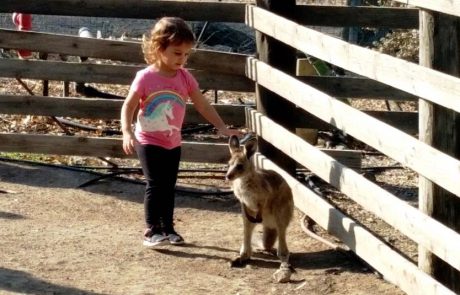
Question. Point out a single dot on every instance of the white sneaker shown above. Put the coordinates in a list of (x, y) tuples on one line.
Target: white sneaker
[(154, 239), (174, 238)]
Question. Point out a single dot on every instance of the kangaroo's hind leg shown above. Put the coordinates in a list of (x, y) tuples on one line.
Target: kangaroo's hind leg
[(246, 247), (283, 274), (283, 251)]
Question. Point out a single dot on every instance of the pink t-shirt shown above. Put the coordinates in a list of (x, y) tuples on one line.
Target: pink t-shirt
[(162, 106)]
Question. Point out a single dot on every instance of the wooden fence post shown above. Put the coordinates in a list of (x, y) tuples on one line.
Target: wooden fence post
[(439, 127), (283, 57)]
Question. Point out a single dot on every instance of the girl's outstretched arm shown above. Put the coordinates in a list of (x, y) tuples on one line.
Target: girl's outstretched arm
[(210, 113), (127, 114)]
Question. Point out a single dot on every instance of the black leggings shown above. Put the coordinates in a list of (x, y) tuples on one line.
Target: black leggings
[(160, 167)]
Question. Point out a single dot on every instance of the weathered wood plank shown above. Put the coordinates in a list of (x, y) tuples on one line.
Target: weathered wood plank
[(433, 164), (356, 87), (439, 128), (221, 12), (110, 109), (394, 268), (112, 147), (216, 11), (217, 61), (404, 121), (127, 51), (90, 108), (349, 158), (444, 6), (429, 84), (201, 60), (343, 16), (419, 227), (106, 108), (109, 74), (140, 9), (101, 147)]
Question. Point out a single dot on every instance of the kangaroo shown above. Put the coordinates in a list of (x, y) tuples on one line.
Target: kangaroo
[(265, 198)]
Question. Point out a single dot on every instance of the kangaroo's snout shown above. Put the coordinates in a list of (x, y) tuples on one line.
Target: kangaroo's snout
[(228, 176)]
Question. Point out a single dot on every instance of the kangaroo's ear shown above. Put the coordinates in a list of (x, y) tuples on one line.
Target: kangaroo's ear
[(250, 147), (233, 144)]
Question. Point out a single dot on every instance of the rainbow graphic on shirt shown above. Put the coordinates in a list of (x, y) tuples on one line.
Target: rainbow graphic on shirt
[(157, 112)]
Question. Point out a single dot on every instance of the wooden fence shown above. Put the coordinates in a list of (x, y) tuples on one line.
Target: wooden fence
[(382, 77), (440, 168)]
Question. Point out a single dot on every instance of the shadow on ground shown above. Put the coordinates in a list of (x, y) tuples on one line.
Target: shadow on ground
[(42, 176), (24, 283), (332, 260)]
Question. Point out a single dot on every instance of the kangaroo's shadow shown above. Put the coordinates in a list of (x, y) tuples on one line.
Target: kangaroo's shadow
[(327, 259)]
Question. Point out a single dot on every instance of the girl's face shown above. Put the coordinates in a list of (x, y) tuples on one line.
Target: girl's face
[(174, 57)]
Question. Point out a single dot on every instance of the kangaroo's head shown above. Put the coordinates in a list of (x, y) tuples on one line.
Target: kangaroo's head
[(239, 163)]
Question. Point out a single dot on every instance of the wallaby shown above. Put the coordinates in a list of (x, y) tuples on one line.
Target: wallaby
[(265, 198)]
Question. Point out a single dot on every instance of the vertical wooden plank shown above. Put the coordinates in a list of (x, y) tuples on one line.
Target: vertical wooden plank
[(353, 31), (439, 127), (45, 83), (425, 131), (65, 89), (283, 57)]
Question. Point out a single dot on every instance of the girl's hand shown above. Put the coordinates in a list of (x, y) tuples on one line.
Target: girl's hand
[(128, 143)]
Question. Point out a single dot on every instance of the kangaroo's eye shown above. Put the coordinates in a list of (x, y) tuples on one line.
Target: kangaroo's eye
[(239, 166)]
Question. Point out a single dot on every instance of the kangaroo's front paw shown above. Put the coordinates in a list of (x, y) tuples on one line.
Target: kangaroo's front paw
[(239, 262), (283, 274)]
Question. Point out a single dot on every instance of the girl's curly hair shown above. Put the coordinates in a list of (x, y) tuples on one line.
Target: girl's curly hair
[(167, 31)]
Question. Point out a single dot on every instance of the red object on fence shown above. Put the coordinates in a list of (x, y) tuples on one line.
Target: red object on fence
[(23, 22)]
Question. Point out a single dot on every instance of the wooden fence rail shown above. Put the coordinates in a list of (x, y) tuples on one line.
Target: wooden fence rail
[(203, 152), (215, 12), (78, 107), (431, 85), (205, 60), (115, 50), (394, 267), (359, 16), (445, 6), (109, 74), (100, 147), (192, 11), (433, 235), (440, 168)]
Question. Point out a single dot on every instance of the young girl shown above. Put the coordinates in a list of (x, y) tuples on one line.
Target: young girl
[(160, 92)]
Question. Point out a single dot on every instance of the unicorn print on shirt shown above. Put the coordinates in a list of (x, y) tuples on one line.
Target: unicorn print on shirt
[(158, 112)]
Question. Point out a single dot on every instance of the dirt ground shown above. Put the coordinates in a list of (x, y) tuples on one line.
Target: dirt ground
[(56, 238)]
